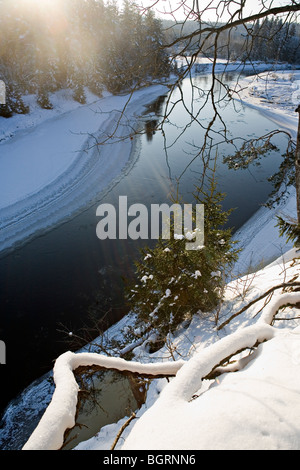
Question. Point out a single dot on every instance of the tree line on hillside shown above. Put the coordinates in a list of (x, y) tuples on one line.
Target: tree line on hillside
[(271, 39), (80, 44)]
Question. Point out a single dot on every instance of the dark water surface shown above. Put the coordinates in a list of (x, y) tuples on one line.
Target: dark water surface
[(48, 285)]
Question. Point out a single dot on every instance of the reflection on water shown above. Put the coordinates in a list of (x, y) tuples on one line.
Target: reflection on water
[(105, 398), (150, 128), (154, 109)]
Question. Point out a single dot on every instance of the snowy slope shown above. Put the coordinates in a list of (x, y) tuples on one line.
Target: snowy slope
[(255, 407)]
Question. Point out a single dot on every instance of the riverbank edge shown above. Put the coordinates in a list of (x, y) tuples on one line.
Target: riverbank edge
[(16, 233)]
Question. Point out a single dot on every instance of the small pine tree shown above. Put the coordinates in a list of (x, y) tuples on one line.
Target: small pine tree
[(78, 91), (173, 283), (43, 99), (95, 85)]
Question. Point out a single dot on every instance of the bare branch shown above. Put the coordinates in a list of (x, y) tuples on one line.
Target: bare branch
[(284, 285)]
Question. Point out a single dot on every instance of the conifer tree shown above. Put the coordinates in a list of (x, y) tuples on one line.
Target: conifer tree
[(43, 98), (156, 61), (78, 88), (14, 102), (173, 283)]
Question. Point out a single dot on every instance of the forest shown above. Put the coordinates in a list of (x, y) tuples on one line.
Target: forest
[(271, 39), (84, 44), (98, 45)]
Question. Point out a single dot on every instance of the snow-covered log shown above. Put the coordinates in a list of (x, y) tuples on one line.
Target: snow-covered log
[(60, 414)]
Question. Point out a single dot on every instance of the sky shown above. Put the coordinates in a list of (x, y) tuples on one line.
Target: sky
[(213, 10), (180, 8)]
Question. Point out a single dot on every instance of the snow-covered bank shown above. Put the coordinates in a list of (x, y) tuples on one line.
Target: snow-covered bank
[(207, 64), (259, 237), (52, 171), (257, 407), (276, 95)]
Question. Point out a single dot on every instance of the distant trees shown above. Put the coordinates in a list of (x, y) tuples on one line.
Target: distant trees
[(13, 71), (274, 39), (133, 48), (269, 39), (80, 44)]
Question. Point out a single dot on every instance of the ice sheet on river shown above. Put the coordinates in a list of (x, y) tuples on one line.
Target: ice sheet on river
[(51, 172)]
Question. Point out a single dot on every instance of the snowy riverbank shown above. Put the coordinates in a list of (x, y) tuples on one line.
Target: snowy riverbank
[(275, 95), (52, 167), (260, 399)]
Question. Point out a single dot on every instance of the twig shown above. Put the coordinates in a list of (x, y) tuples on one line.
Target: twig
[(287, 319), (124, 426)]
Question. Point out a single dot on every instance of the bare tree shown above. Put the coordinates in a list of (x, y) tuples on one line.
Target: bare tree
[(211, 29)]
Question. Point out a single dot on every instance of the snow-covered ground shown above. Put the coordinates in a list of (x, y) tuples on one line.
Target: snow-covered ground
[(51, 163), (276, 94), (256, 407)]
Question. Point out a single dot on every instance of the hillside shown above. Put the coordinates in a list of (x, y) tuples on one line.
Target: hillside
[(252, 399)]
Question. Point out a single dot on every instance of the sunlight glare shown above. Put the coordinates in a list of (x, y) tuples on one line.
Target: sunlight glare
[(51, 13)]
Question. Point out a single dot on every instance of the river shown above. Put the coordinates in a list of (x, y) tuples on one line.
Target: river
[(57, 281)]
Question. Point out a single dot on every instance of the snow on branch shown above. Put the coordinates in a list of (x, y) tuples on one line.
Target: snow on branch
[(60, 414), (189, 378)]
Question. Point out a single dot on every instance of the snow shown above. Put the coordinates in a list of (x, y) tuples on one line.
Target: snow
[(259, 239), (45, 165), (61, 412), (246, 410), (260, 399), (255, 407), (276, 95), (206, 65), (282, 90)]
